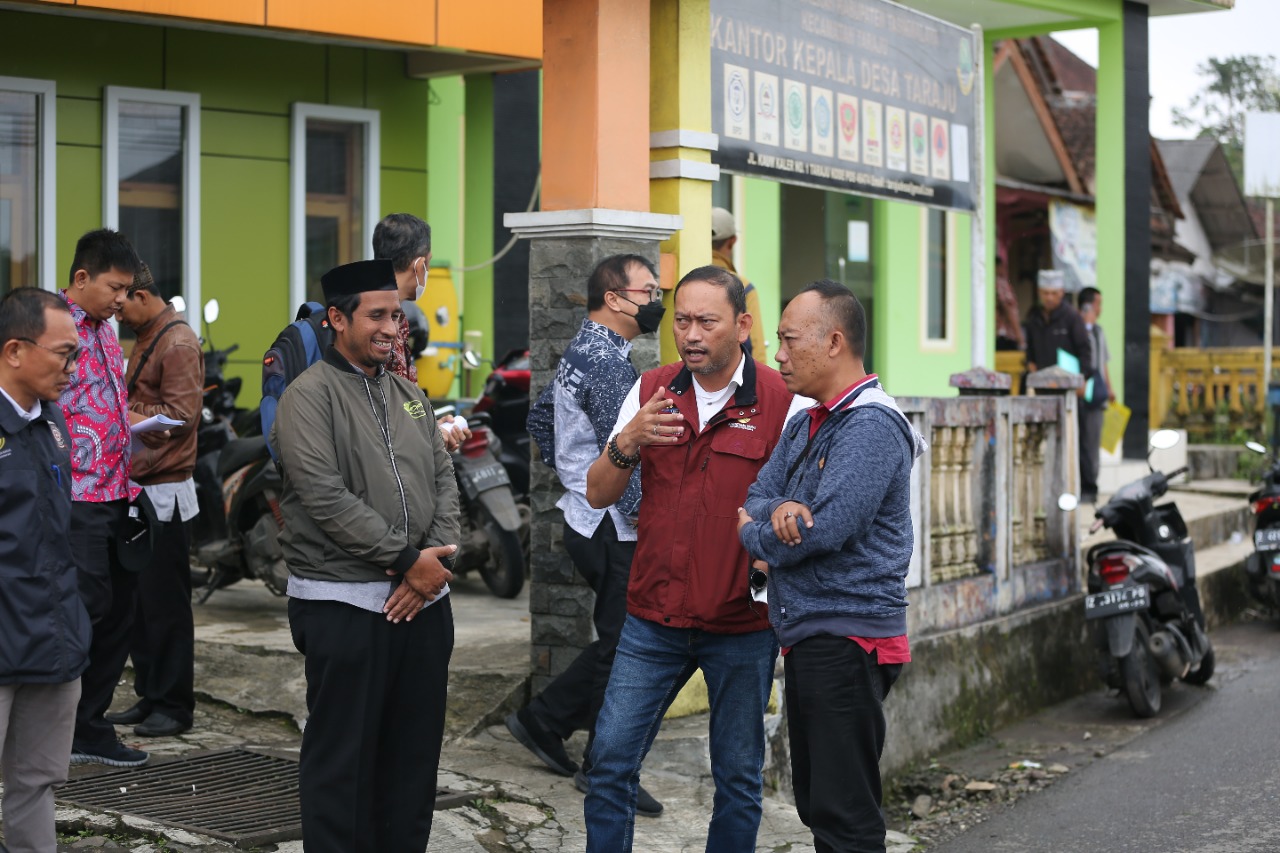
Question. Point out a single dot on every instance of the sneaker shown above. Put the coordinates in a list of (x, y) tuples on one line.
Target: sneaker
[(115, 754), (646, 805), (130, 716), (524, 727)]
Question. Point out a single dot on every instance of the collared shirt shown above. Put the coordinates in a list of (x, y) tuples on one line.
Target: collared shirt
[(399, 363), (96, 408), (26, 414), (591, 381), (174, 500)]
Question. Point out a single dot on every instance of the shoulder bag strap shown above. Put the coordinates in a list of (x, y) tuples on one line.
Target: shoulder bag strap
[(142, 362)]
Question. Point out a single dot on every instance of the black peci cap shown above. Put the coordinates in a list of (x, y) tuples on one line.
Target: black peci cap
[(358, 277)]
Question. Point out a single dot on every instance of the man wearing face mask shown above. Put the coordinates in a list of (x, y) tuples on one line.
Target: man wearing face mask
[(405, 240), (571, 422)]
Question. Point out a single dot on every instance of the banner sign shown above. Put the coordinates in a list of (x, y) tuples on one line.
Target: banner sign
[(864, 96)]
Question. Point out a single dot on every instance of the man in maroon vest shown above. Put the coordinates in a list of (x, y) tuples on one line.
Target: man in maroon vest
[(700, 429)]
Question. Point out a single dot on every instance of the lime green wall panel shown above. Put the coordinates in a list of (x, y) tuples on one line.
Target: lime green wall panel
[(1110, 193), (477, 290), (404, 130), (83, 55), (238, 134), (244, 73), (79, 200), (446, 114), (909, 365), (344, 75), (245, 262), (762, 252), (404, 191), (79, 120)]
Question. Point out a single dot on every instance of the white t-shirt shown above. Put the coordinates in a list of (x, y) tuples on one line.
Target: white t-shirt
[(710, 403)]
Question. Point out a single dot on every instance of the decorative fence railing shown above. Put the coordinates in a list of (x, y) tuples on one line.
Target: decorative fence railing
[(990, 538)]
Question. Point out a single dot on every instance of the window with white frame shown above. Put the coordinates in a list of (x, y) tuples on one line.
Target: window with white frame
[(27, 183), (334, 171), (151, 183), (937, 279)]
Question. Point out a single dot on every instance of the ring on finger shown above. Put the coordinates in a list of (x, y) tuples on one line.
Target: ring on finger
[(655, 430)]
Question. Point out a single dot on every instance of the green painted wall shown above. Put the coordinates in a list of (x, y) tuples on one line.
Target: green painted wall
[(247, 86), (762, 253), (477, 286), (1110, 205), (907, 363)]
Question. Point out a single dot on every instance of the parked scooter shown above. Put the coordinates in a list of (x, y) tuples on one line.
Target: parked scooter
[(236, 534), (1142, 596), (489, 519), (506, 401), (1262, 569)]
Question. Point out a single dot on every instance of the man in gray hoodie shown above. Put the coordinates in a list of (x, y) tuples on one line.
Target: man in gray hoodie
[(834, 537)]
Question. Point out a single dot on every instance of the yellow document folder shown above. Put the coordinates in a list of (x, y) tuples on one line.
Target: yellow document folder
[(1114, 420)]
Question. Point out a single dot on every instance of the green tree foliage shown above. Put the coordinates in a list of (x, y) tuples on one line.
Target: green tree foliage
[(1234, 86)]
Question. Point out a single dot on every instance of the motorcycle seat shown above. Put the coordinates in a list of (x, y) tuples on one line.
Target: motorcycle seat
[(1120, 545), (241, 452)]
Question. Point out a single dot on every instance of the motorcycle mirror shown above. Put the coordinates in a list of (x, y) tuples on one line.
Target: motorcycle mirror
[(470, 357), (1068, 502), (179, 304), (1255, 447), (211, 311), (1163, 439)]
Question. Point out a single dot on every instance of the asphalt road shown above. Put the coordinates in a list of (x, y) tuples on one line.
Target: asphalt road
[(1205, 780)]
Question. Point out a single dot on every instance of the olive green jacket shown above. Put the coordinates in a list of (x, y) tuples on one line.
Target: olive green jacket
[(367, 480)]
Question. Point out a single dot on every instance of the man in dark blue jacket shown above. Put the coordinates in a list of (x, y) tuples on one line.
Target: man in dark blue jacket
[(44, 628), (834, 510)]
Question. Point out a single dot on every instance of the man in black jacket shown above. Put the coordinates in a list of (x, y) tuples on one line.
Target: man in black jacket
[(45, 632), (1054, 325)]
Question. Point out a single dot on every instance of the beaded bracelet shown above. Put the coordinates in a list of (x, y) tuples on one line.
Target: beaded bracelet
[(618, 458)]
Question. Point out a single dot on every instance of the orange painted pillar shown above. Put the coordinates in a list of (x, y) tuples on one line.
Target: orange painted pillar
[(595, 112)]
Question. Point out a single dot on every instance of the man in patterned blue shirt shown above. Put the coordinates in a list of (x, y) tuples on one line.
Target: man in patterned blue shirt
[(571, 422)]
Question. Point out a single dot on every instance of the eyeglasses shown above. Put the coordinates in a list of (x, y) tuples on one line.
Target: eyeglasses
[(655, 294), (71, 357)]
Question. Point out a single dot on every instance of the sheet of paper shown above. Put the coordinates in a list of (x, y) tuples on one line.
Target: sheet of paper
[(155, 424), (1068, 362)]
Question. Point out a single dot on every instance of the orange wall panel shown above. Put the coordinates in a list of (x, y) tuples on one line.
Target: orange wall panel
[(402, 21), (226, 11), (504, 27)]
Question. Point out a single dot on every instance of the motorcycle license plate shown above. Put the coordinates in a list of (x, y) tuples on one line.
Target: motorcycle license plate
[(1267, 540), (483, 479), (1125, 599)]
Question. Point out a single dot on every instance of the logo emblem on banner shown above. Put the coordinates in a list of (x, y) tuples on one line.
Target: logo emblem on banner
[(965, 73), (847, 143)]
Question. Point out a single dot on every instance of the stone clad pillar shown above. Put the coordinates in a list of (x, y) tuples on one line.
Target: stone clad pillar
[(595, 203), (565, 247)]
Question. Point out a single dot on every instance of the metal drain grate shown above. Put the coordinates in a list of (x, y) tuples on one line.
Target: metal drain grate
[(245, 798)]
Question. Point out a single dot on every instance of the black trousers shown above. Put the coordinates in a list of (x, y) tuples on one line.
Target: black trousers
[(371, 746), (163, 640), (573, 700), (107, 590), (1090, 448), (834, 693)]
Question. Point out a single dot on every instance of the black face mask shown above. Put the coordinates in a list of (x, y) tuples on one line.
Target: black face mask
[(648, 316)]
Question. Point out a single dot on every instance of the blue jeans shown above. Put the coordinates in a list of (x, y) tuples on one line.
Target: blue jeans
[(653, 662)]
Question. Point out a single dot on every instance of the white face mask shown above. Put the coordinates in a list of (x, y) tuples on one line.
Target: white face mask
[(421, 287)]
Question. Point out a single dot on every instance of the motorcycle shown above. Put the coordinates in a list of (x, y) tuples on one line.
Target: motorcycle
[(506, 400), (1142, 598), (489, 518), (236, 534), (1262, 568)]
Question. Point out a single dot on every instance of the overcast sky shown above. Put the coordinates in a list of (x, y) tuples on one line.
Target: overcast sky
[(1181, 42)]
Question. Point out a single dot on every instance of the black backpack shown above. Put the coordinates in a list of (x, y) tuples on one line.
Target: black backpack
[(300, 345)]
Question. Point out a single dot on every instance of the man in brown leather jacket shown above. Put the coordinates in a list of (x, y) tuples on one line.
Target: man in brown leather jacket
[(165, 377)]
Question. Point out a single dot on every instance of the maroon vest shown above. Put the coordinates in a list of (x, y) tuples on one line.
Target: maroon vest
[(690, 570)]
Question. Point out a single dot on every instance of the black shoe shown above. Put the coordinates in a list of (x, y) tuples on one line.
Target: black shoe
[(524, 727), (130, 717), (114, 754), (646, 805), (159, 724), (1089, 497)]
